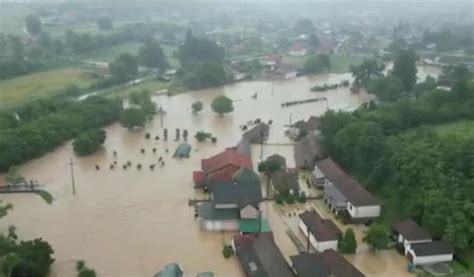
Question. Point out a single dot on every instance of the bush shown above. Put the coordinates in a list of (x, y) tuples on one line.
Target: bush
[(222, 104), (290, 199), (227, 251), (348, 244), (202, 136), (302, 197), (197, 106), (89, 142), (279, 199)]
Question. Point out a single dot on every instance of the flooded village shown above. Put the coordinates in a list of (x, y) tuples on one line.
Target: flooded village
[(257, 139), (134, 222)]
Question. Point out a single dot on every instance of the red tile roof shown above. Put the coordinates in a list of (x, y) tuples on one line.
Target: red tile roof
[(198, 177), (228, 157)]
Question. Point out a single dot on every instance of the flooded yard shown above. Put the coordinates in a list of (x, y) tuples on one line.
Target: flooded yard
[(132, 222)]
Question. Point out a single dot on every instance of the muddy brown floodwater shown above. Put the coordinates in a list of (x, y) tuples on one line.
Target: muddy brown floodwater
[(132, 222)]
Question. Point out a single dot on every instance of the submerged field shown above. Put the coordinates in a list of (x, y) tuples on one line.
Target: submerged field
[(27, 88)]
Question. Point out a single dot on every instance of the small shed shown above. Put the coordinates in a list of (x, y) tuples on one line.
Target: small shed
[(183, 151)]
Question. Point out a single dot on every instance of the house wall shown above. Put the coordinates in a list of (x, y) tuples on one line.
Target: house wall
[(407, 244), (220, 225), (226, 206), (430, 259), (363, 211), (249, 211), (320, 246), (301, 52)]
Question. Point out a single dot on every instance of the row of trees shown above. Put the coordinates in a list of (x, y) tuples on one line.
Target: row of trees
[(432, 175), (32, 138), (316, 64), (141, 110)]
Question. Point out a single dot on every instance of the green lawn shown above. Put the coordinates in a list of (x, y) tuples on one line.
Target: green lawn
[(464, 128), (339, 63), (20, 90), (110, 53), (152, 86)]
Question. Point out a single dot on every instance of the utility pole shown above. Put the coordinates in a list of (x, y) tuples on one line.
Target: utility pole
[(71, 163), (308, 233), (291, 118), (161, 115), (259, 230)]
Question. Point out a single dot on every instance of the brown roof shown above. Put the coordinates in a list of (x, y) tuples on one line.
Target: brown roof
[(321, 229), (339, 266), (354, 192), (258, 134), (307, 152), (411, 231), (311, 124), (284, 181), (260, 256)]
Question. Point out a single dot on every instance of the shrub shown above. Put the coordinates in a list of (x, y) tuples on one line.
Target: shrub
[(227, 251)]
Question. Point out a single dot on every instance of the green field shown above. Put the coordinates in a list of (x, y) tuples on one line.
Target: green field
[(20, 90), (339, 63), (464, 128), (108, 54), (152, 86)]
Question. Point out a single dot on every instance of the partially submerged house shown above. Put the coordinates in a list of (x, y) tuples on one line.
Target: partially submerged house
[(310, 126), (221, 167), (232, 201), (430, 252), (409, 232), (344, 194), (259, 256), (419, 246), (258, 134), (323, 233), (307, 152), (327, 264), (284, 182), (170, 270)]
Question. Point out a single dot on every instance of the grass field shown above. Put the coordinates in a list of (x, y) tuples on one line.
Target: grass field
[(339, 63), (464, 128), (20, 90), (152, 86), (110, 53)]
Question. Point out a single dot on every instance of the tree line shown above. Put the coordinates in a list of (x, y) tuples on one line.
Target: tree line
[(422, 175)]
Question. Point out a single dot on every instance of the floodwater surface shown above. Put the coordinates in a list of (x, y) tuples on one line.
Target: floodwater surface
[(133, 222)]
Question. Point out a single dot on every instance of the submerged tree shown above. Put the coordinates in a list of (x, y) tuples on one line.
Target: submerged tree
[(222, 104), (197, 106)]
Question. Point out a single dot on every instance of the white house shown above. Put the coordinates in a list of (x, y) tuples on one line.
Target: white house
[(409, 232), (430, 252), (323, 234), (298, 49), (212, 219), (342, 193)]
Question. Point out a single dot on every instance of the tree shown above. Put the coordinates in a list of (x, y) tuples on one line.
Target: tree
[(152, 55), (316, 64), (89, 142), (267, 167), (377, 237), (366, 71), (124, 67), (105, 23), (34, 258), (202, 136), (222, 104), (388, 88), (197, 49), (14, 177), (33, 24), (314, 40), (202, 74), (197, 106), (404, 68), (132, 118), (83, 270), (348, 244)]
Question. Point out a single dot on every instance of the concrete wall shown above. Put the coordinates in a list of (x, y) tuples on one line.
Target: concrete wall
[(220, 225), (430, 259), (363, 211)]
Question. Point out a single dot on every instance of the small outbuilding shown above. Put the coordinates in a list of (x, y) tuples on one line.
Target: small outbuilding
[(408, 232), (430, 252)]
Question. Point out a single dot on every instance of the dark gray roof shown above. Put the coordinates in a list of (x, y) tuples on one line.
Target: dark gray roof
[(309, 265), (283, 181), (432, 248), (339, 266), (260, 256), (411, 231), (245, 189), (258, 134), (307, 152), (351, 189), (277, 158), (243, 147), (321, 229)]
